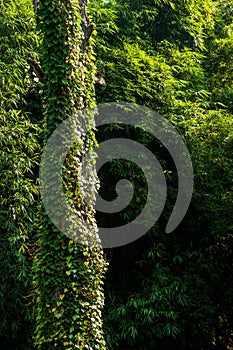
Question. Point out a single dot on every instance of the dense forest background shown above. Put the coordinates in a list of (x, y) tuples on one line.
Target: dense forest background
[(164, 291)]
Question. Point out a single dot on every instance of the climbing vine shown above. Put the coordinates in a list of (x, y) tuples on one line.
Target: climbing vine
[(67, 275)]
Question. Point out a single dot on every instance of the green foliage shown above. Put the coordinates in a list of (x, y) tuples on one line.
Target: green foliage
[(68, 275), (163, 291), (19, 149), (157, 314), (19, 155), (219, 63), (167, 56), (18, 38), (186, 23), (179, 287)]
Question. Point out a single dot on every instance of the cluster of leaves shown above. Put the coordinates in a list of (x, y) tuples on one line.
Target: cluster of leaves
[(174, 58), (19, 149), (19, 154), (68, 275), (166, 291)]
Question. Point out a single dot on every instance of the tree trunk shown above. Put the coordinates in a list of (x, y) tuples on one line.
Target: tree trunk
[(67, 275)]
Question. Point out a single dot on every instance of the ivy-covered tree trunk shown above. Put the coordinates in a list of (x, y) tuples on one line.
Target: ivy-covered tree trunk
[(67, 275)]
